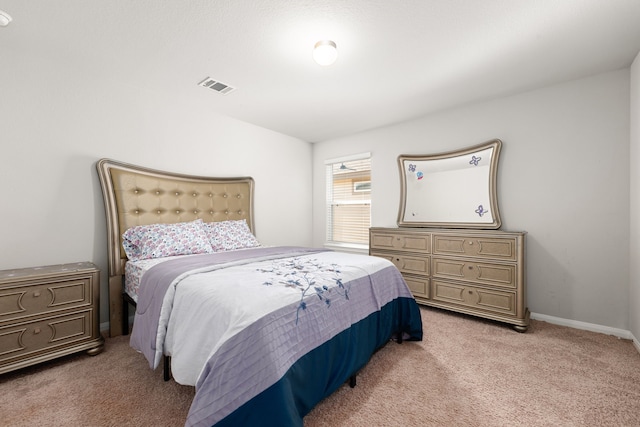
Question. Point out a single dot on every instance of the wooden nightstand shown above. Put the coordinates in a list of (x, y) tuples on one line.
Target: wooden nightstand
[(48, 312)]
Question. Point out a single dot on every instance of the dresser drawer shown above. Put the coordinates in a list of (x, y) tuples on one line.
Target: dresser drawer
[(495, 301), (418, 285), (401, 242), (407, 263), (504, 248), (40, 297), (501, 275), (27, 339)]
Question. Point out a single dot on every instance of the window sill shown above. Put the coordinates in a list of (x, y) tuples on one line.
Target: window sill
[(348, 247)]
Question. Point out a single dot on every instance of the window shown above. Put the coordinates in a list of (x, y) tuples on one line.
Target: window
[(349, 200)]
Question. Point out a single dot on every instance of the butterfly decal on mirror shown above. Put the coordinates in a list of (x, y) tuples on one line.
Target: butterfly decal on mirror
[(481, 211)]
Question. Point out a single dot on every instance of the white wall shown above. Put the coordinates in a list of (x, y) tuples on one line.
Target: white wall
[(634, 158), (563, 178), (56, 121), (564, 173)]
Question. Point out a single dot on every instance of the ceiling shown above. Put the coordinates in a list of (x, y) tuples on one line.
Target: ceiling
[(397, 60)]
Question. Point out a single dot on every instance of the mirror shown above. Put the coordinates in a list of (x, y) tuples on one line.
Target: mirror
[(456, 189)]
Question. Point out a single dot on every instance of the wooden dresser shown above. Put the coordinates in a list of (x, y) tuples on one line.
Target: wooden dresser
[(48, 312), (477, 272)]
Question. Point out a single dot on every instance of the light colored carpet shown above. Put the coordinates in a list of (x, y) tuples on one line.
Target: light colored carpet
[(466, 372)]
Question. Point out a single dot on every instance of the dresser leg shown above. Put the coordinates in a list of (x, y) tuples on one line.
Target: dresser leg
[(96, 350), (521, 329)]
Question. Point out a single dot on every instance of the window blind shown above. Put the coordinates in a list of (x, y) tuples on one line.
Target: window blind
[(349, 201)]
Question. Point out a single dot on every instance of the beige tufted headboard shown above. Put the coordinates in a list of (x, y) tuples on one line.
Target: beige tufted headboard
[(135, 195)]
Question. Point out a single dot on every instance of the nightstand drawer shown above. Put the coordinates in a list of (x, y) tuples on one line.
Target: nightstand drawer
[(475, 246), (502, 275), (470, 296), (20, 340), (48, 312), (42, 297)]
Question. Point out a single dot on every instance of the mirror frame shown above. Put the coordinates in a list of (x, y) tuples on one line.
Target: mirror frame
[(496, 144)]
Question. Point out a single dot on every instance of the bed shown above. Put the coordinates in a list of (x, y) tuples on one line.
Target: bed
[(263, 333)]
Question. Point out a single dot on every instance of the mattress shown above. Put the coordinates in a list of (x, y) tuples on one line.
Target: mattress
[(134, 270)]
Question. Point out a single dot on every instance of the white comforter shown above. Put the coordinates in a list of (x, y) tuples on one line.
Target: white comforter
[(203, 309)]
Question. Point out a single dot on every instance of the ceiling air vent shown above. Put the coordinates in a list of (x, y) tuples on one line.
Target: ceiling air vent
[(220, 87)]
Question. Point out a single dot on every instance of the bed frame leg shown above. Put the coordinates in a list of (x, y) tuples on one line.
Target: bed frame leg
[(167, 368), (352, 381), (125, 316)]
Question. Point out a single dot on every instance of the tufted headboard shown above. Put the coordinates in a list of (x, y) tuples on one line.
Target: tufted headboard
[(135, 195)]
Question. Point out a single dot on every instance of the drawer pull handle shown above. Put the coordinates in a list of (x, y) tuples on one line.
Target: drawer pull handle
[(36, 331), (470, 292), (470, 267), (36, 294), (471, 243)]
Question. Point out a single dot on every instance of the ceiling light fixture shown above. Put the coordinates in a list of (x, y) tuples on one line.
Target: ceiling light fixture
[(325, 52), (4, 18)]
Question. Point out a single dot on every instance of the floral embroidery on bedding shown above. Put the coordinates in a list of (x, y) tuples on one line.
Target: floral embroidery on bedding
[(309, 277)]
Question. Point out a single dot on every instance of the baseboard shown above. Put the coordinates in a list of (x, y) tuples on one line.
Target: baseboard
[(621, 333), (104, 327)]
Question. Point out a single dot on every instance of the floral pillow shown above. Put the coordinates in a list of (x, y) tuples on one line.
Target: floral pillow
[(162, 240), (230, 235)]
